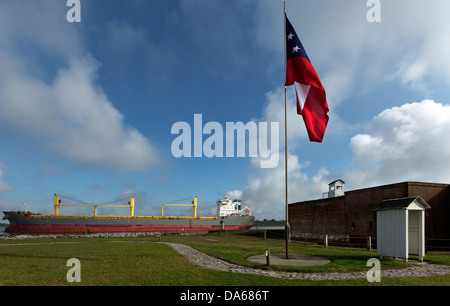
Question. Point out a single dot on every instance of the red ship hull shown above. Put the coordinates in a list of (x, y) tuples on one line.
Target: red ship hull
[(40, 229)]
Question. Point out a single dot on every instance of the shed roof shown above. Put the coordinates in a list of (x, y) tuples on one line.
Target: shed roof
[(339, 180), (400, 203)]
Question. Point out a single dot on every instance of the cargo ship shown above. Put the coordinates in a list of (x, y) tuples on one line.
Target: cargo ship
[(230, 216)]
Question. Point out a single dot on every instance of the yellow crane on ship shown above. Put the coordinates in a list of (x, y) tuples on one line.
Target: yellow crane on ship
[(57, 204)]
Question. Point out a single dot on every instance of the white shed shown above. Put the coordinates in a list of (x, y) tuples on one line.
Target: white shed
[(401, 227)]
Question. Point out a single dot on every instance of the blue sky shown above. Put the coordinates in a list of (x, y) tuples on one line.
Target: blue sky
[(86, 109)]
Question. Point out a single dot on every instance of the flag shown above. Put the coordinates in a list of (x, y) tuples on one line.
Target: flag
[(311, 98)]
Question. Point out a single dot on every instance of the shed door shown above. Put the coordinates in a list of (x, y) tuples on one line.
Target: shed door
[(413, 231)]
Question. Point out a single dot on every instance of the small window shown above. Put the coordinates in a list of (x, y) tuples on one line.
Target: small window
[(370, 226), (353, 226)]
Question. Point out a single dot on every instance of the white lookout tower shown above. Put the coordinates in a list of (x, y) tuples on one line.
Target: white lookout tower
[(335, 189)]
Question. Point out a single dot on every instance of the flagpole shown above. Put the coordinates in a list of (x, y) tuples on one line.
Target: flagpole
[(287, 228)]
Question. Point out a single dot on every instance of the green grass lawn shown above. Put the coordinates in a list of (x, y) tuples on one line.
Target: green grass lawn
[(141, 261)]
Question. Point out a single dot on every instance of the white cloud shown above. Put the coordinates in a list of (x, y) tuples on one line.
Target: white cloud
[(64, 113), (406, 143), (123, 37), (96, 132), (265, 192), (3, 186), (42, 24), (74, 119), (235, 194), (425, 24)]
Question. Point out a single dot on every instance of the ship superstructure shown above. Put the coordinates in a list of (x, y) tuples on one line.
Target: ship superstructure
[(228, 207)]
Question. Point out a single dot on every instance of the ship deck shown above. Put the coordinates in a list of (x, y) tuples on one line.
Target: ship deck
[(120, 217)]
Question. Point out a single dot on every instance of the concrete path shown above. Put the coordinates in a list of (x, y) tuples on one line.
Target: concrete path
[(293, 260)]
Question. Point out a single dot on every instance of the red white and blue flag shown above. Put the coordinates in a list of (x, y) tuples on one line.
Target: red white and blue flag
[(311, 98)]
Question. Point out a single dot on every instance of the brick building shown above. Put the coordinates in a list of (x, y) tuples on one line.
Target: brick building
[(348, 216)]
